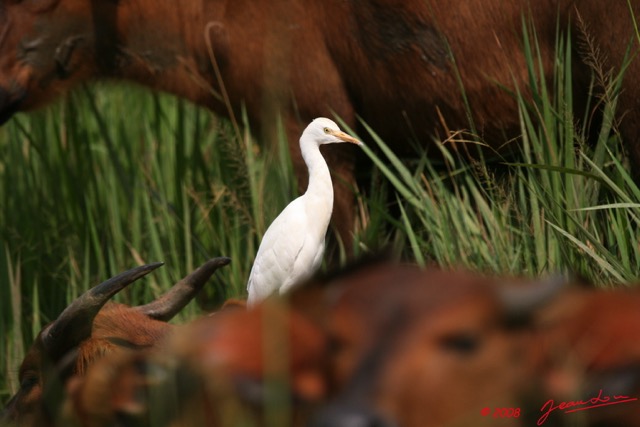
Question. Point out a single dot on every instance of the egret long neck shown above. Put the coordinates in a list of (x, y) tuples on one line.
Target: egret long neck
[(320, 188)]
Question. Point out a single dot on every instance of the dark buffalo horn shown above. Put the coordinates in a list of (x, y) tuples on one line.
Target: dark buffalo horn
[(522, 300), (180, 294), (75, 323)]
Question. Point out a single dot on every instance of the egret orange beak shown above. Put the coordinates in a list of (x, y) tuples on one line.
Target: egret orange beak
[(346, 138)]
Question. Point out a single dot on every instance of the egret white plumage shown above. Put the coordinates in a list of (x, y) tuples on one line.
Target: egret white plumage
[(292, 247)]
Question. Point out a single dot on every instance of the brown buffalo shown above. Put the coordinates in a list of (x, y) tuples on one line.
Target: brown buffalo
[(91, 327), (437, 348), (415, 347), (386, 344), (399, 65), (236, 367)]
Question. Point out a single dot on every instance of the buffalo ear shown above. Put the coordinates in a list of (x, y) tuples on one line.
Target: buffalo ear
[(521, 302)]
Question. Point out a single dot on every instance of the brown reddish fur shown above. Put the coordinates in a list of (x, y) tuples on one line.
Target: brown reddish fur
[(270, 339), (586, 339), (113, 321), (394, 332), (118, 321), (387, 61), (317, 344), (203, 367), (90, 328)]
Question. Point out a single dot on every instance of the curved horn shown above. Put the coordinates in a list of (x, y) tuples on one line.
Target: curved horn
[(521, 301), (180, 294), (76, 321)]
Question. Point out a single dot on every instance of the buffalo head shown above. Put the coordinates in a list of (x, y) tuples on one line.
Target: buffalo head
[(89, 328), (47, 47)]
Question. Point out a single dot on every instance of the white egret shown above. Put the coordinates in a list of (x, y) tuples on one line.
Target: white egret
[(292, 247)]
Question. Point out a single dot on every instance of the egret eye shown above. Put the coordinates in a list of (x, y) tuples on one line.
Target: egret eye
[(327, 130)]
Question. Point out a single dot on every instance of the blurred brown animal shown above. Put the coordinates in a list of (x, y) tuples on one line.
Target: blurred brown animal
[(381, 344), (397, 65), (220, 370), (415, 347), (91, 327)]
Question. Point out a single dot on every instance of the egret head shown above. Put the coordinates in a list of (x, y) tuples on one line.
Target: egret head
[(326, 131)]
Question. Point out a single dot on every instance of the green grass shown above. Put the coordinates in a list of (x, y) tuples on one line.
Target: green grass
[(563, 205), (87, 191), (115, 176)]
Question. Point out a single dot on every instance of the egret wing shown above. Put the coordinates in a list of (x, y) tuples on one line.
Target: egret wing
[(279, 249), (307, 262)]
